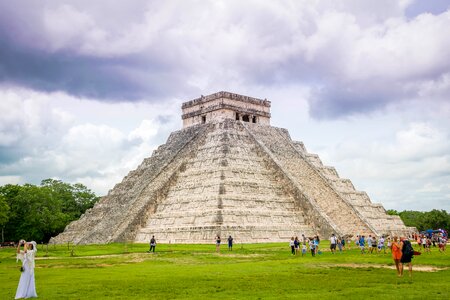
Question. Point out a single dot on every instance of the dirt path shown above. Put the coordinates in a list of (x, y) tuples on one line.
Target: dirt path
[(420, 268)]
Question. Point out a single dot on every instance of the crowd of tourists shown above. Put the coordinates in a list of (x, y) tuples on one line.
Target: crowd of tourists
[(429, 241), (311, 245), (371, 244), (401, 249)]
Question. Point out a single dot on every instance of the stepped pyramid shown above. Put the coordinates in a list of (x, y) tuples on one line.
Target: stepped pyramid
[(229, 172)]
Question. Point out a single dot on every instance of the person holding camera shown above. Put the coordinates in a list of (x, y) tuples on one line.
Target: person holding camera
[(26, 287)]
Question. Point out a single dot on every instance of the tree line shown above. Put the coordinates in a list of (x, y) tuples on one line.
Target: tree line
[(434, 219), (38, 212)]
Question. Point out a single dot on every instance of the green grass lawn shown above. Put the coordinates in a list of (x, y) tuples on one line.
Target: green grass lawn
[(250, 271)]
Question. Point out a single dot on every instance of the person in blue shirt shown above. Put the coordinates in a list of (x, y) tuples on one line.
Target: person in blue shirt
[(362, 244), (230, 243)]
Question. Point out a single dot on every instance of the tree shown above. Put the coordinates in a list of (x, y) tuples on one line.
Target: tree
[(4, 210), (413, 218), (40, 212), (392, 212), (75, 199), (426, 220), (436, 219)]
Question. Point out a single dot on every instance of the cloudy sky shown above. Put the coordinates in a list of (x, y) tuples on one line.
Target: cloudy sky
[(89, 88)]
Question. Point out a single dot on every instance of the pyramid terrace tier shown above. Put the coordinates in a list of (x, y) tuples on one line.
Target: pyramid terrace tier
[(230, 177)]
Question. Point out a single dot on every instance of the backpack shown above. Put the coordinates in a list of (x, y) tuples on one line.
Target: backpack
[(408, 249)]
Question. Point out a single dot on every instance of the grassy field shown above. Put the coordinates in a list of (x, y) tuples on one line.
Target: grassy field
[(256, 271)]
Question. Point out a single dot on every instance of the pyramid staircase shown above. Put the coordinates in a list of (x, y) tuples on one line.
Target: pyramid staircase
[(234, 178)]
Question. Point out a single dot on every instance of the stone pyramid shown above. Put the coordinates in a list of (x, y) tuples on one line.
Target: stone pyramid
[(228, 172)]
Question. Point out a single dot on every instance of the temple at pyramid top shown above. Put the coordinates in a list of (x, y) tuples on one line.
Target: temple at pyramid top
[(224, 105)]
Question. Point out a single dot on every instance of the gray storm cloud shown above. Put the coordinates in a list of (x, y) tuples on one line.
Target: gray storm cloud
[(354, 61)]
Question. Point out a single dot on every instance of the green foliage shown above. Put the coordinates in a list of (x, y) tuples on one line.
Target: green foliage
[(426, 220), (4, 211), (4, 215), (392, 212), (40, 212), (250, 271)]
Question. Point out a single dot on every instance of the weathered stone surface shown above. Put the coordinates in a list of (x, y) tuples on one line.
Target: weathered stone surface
[(228, 176)]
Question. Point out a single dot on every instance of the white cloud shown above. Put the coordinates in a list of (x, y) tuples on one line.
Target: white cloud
[(146, 131), (54, 141), (375, 81)]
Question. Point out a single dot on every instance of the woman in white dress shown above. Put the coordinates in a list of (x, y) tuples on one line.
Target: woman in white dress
[(26, 288)]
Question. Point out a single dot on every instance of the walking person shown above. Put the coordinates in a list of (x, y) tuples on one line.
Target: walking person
[(230, 243), (396, 249), (26, 287), (152, 244)]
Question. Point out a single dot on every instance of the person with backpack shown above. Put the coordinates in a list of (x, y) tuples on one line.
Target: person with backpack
[(407, 255)]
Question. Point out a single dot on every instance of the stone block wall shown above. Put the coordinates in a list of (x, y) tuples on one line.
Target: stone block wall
[(230, 178)]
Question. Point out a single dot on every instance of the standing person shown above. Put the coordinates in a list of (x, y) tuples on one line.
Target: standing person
[(230, 243), (441, 243), (419, 242), (429, 245), (296, 245), (389, 244), (407, 255), (396, 250), (333, 242), (152, 244), (381, 245), (218, 243), (27, 287), (369, 244), (343, 243), (292, 244), (316, 243), (312, 247), (304, 249), (339, 244)]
